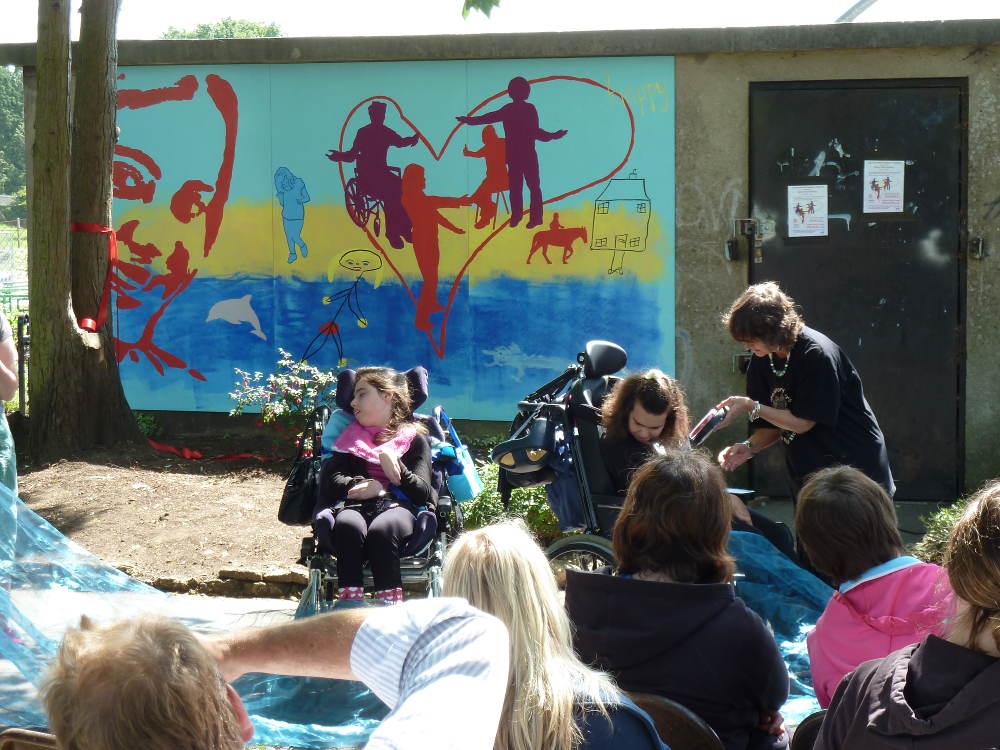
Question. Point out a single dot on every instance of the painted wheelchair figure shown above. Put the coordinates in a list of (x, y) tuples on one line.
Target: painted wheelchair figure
[(421, 555), (363, 205)]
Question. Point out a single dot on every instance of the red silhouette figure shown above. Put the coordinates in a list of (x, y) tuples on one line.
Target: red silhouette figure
[(521, 130), (494, 152), (376, 178), (186, 204), (424, 213), (559, 236)]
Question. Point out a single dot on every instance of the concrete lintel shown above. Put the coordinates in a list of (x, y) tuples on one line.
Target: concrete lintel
[(549, 44)]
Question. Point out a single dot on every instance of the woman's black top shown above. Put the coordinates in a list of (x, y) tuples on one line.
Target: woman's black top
[(414, 468), (622, 457), (821, 385)]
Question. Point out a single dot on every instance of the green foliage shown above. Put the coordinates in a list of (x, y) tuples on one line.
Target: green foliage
[(147, 424), (19, 209), (530, 504), (227, 28), (11, 132), (286, 398), (939, 525), (483, 6)]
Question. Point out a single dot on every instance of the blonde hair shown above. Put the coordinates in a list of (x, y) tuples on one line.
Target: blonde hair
[(142, 683), (972, 560), (501, 570)]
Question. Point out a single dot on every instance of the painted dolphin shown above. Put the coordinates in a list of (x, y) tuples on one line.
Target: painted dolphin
[(236, 311)]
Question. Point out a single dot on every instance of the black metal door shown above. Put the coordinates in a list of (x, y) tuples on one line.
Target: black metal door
[(887, 287)]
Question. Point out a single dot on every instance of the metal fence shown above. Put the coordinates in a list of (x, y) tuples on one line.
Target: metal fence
[(13, 266)]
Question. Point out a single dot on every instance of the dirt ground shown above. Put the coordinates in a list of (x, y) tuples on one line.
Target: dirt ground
[(155, 515)]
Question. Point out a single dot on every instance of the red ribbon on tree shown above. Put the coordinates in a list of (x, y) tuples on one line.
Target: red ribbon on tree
[(88, 324)]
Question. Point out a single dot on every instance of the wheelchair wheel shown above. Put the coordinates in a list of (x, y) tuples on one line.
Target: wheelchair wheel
[(357, 204), (586, 552)]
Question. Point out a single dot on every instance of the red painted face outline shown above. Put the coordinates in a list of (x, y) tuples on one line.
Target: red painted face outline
[(185, 205)]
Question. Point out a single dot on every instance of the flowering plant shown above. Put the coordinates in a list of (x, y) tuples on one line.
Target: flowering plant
[(285, 398)]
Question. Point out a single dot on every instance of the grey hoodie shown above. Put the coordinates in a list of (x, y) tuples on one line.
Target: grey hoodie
[(932, 695)]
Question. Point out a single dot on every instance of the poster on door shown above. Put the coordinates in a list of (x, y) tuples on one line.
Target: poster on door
[(807, 211), (883, 187)]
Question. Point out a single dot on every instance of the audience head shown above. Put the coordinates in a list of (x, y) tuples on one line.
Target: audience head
[(972, 560), (381, 398), (764, 315), (676, 520), (649, 406), (142, 683), (846, 523), (501, 570)]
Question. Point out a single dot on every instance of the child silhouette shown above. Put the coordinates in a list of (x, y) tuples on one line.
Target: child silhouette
[(521, 130)]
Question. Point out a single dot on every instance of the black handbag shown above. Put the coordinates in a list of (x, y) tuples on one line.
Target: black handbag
[(302, 486)]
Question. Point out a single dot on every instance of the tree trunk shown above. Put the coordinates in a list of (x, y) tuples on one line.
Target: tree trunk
[(105, 414), (64, 410)]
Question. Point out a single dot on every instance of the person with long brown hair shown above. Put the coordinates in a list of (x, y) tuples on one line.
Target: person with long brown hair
[(803, 391), (645, 412), (377, 479), (669, 622), (642, 410), (940, 693)]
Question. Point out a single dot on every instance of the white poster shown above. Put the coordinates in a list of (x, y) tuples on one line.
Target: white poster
[(883, 187), (807, 211)]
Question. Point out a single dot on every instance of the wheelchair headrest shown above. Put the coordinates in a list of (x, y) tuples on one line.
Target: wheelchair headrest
[(601, 358), (415, 377)]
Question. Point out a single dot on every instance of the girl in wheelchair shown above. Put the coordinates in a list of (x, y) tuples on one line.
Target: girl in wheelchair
[(371, 488)]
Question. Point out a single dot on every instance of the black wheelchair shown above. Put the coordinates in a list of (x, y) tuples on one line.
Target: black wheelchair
[(566, 411), (422, 554)]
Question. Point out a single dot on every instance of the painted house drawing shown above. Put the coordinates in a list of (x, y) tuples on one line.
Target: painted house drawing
[(621, 219)]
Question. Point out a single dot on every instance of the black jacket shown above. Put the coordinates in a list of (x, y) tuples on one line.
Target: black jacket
[(693, 643), (622, 457), (932, 695), (415, 471)]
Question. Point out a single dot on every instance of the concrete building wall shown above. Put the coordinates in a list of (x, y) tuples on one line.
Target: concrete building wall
[(714, 68), (712, 184)]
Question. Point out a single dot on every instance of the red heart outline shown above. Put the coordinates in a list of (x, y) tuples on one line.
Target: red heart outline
[(439, 346)]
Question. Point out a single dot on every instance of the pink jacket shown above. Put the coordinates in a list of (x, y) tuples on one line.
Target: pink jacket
[(887, 608)]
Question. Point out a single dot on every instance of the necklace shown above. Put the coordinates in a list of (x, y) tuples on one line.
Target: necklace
[(788, 361)]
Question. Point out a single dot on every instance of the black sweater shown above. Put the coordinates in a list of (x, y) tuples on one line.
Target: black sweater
[(694, 643), (344, 469), (622, 457), (932, 695)]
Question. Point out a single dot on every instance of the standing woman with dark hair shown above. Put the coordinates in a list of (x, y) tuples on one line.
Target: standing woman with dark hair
[(376, 481), (802, 390)]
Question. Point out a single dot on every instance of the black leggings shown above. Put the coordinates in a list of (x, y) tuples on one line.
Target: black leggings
[(379, 543), (776, 533)]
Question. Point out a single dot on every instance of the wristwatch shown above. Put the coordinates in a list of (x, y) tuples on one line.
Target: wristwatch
[(749, 446)]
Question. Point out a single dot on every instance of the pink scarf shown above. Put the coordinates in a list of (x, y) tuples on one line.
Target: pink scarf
[(360, 441)]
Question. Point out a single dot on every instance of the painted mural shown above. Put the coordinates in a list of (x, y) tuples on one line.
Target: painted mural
[(483, 219)]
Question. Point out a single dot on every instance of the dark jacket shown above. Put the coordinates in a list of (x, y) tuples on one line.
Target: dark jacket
[(696, 644), (627, 727), (622, 457), (932, 695), (344, 469)]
